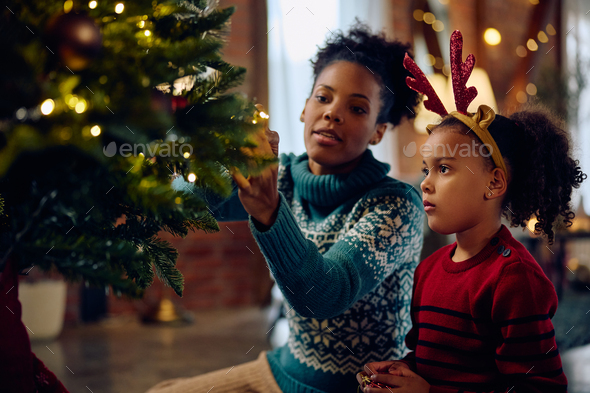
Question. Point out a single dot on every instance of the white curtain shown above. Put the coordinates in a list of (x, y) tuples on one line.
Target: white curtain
[(576, 23), (296, 29)]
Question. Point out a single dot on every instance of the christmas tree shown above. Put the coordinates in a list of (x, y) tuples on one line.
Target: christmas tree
[(103, 104)]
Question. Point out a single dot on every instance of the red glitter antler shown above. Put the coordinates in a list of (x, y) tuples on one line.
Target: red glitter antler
[(460, 73), (421, 85)]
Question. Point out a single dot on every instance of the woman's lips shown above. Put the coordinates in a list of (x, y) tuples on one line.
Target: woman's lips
[(322, 138), (428, 206)]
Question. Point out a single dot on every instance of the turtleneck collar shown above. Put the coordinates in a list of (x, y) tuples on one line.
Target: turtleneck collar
[(331, 190)]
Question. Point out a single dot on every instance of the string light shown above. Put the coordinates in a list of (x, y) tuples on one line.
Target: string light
[(521, 51), (186, 154), (531, 89), (429, 18), (92, 5), (68, 6), (438, 26), (264, 115), (418, 15), (551, 30), (119, 8), (80, 106), (192, 177), (532, 45), (141, 24), (147, 33), (95, 130), (521, 97), (542, 37), (492, 36), (47, 106)]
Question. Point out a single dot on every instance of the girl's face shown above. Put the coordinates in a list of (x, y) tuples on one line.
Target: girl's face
[(456, 182), (341, 118)]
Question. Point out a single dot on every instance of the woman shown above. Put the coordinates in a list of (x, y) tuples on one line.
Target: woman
[(341, 238)]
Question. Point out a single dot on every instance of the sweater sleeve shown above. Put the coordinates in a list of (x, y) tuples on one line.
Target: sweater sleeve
[(524, 303), (387, 237)]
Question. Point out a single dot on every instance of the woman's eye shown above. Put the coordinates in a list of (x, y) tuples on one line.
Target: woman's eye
[(444, 169), (321, 98), (425, 171), (358, 109)]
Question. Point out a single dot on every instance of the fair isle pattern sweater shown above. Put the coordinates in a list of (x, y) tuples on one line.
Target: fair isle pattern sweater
[(343, 251)]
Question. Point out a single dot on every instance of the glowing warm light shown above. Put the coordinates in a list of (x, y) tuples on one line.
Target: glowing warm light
[(192, 177), (551, 30), (254, 121), (573, 264), (178, 200), (418, 15), (531, 89), (21, 113), (71, 100), (521, 97), (531, 224), (141, 24), (95, 130), (492, 36), (264, 115), (430, 60), (47, 106), (446, 70), (92, 5), (521, 51), (542, 37), (68, 6), (119, 8), (429, 18), (438, 26), (186, 154), (141, 155), (147, 33), (532, 45), (80, 106), (534, 2)]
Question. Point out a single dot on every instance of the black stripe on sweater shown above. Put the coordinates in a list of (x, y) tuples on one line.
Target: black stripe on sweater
[(453, 366), (528, 339), (449, 348), (527, 358), (518, 321), (454, 332), (447, 311)]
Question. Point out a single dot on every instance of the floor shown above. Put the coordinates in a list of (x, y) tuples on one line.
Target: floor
[(122, 355)]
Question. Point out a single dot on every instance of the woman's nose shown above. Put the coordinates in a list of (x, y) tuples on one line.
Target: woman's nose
[(334, 115)]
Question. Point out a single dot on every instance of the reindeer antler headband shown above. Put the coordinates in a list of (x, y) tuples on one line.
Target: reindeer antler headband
[(460, 72)]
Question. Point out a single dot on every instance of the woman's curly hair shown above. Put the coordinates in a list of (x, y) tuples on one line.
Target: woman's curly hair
[(538, 155), (383, 58)]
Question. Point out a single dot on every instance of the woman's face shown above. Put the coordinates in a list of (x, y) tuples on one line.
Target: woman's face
[(341, 118)]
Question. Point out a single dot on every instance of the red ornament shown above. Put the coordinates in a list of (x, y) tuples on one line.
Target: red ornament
[(75, 38)]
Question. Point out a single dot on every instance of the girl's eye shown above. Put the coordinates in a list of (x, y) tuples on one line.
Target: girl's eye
[(444, 169), (425, 171), (358, 109), (321, 98)]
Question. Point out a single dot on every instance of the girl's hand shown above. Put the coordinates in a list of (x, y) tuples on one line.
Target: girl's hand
[(391, 367), (259, 195), (408, 382)]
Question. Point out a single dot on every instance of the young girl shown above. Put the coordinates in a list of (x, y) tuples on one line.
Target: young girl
[(482, 307)]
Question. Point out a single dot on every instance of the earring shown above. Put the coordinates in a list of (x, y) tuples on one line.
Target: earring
[(489, 194)]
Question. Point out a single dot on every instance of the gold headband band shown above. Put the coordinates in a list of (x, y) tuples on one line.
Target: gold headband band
[(479, 123)]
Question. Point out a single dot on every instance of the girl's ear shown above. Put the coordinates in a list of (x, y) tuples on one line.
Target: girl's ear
[(379, 132), (498, 185), (302, 117)]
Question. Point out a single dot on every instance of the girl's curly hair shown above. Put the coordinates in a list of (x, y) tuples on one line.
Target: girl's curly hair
[(537, 152), (383, 58)]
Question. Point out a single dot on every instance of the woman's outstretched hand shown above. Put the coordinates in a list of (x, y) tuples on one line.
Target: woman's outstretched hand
[(259, 195)]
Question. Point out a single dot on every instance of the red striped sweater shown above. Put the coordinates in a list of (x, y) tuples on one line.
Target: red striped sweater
[(484, 324)]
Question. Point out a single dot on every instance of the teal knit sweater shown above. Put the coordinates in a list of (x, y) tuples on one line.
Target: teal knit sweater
[(343, 252)]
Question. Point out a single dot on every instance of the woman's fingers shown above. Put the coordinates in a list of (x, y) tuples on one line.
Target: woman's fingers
[(378, 367), (240, 180), (273, 139)]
